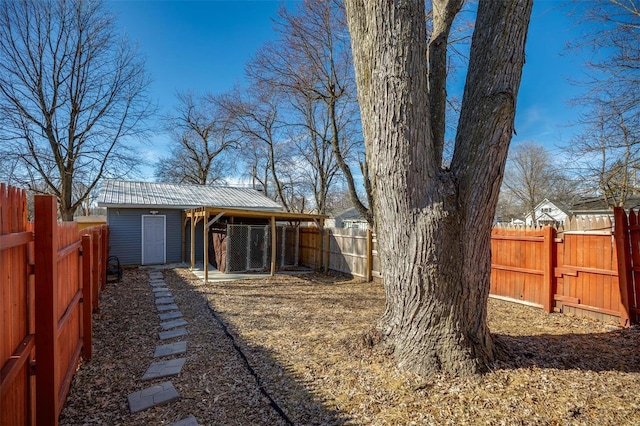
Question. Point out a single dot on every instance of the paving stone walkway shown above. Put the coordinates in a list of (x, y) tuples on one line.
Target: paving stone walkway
[(172, 325)]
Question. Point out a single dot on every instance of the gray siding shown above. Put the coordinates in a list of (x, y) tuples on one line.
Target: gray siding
[(199, 239), (125, 234)]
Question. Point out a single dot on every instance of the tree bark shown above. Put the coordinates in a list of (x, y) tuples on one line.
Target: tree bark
[(434, 224)]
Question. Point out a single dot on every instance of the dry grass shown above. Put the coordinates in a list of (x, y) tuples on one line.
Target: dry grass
[(214, 384), (560, 369), (304, 338)]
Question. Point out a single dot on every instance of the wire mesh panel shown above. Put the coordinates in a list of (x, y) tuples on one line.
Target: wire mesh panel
[(237, 251), (249, 247), (257, 246)]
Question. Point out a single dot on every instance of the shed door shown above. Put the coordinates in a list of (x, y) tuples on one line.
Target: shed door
[(153, 240)]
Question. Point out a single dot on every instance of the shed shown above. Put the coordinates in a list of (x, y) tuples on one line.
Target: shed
[(157, 223)]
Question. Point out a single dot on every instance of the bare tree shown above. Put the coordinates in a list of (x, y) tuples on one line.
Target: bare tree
[(71, 93), (311, 64), (531, 176), (434, 223), (607, 153), (313, 147), (256, 122), (202, 140), (608, 145)]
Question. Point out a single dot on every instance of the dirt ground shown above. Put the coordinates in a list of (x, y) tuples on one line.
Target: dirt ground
[(302, 336)]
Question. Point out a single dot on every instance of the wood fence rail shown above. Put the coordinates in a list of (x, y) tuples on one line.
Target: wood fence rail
[(51, 278), (574, 269)]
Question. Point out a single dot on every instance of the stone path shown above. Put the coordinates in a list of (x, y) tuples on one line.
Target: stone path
[(172, 325)]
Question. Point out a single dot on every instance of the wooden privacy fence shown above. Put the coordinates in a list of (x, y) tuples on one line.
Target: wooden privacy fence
[(573, 270), (50, 279), (350, 251), (585, 269)]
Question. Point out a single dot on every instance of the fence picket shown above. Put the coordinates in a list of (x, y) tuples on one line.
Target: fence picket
[(48, 320), (572, 269)]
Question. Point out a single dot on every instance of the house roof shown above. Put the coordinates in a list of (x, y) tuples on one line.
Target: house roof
[(123, 194), (598, 205), (350, 214), (558, 204)]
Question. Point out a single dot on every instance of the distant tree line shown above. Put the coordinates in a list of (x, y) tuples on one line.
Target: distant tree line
[(70, 111)]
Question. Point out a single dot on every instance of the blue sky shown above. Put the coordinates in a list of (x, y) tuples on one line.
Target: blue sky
[(203, 46)]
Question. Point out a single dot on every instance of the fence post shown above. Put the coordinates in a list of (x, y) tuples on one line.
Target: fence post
[(104, 253), (87, 299), (46, 273), (96, 283), (369, 254), (548, 275), (623, 252), (318, 252), (326, 249)]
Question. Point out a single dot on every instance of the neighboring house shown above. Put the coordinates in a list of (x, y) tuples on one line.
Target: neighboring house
[(596, 207), (546, 213), (146, 220), (350, 219), (88, 221)]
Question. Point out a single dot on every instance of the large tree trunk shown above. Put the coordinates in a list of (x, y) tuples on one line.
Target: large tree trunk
[(434, 224)]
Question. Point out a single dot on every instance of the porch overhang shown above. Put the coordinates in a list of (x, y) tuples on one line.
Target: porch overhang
[(212, 214)]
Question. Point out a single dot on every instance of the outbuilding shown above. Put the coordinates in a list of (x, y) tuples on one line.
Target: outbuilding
[(156, 223)]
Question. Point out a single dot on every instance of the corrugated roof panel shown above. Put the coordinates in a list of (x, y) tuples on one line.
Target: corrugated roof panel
[(130, 194)]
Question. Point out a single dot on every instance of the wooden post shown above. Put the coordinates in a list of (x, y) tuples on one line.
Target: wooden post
[(326, 249), (623, 252), (183, 236), (274, 242), (320, 243), (318, 254), (193, 239), (87, 290), (97, 280), (205, 246), (104, 253), (46, 273), (369, 255), (548, 265)]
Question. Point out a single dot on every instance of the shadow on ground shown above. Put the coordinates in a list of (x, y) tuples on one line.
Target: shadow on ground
[(283, 390), (617, 350)]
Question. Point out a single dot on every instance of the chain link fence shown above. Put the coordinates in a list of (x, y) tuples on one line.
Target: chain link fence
[(249, 247)]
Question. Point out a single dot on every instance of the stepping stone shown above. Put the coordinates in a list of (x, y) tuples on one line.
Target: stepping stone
[(156, 278), (162, 308), (163, 294), (170, 315), (153, 274), (158, 284), (160, 369), (159, 289), (173, 324), (170, 334), (165, 300), (189, 421), (155, 395), (170, 349)]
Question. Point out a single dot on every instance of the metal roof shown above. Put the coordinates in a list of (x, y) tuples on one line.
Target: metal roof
[(117, 193)]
